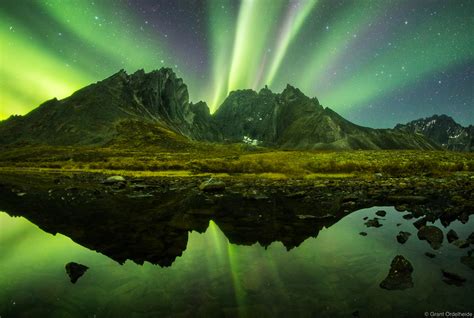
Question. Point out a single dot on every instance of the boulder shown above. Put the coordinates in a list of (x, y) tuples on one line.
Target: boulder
[(402, 237), (420, 223), (114, 179), (381, 213), (461, 243), (470, 238), (468, 261), (373, 223), (452, 278), (212, 185), (432, 234), (399, 276), (75, 271), (452, 236)]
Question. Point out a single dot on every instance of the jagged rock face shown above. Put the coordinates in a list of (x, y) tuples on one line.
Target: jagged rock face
[(91, 115), (102, 113), (246, 113), (295, 121), (444, 131)]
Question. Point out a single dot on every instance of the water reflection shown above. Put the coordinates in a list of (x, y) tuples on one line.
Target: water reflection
[(228, 267)]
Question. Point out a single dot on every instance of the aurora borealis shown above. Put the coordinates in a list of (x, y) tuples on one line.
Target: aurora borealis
[(375, 62)]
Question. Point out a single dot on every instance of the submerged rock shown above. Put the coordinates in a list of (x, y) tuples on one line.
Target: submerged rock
[(461, 243), (399, 276), (468, 261), (363, 233), (430, 255), (452, 236), (432, 234), (402, 237), (401, 208), (212, 185), (381, 213), (452, 278), (373, 223), (470, 238), (75, 271), (420, 223)]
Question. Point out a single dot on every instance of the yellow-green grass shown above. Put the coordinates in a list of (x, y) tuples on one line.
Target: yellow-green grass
[(225, 160)]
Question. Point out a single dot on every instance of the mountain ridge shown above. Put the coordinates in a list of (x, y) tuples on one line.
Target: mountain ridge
[(444, 130), (289, 120)]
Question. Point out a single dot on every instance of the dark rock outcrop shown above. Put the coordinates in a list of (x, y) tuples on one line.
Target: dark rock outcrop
[(399, 276)]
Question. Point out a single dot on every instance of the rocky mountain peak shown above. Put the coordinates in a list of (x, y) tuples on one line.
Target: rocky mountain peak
[(93, 116), (442, 129)]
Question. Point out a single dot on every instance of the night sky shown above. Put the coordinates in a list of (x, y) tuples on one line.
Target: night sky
[(375, 62)]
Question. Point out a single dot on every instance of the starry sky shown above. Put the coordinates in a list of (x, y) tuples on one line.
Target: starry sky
[(375, 62)]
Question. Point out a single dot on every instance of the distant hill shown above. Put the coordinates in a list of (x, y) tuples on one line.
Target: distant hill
[(154, 109), (443, 130)]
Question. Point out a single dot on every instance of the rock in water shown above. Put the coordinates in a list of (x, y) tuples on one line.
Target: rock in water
[(212, 185), (432, 234), (452, 278), (420, 223), (399, 276), (468, 261), (452, 236), (408, 216), (381, 213), (373, 223), (402, 237), (461, 243), (470, 238), (75, 271), (114, 179)]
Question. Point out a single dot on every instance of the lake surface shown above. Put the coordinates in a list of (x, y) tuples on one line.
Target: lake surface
[(336, 274)]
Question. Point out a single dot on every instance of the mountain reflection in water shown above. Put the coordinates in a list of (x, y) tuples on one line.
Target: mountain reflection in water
[(247, 266)]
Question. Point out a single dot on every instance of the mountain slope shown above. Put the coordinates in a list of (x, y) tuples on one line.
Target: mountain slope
[(153, 108), (293, 120), (92, 114), (443, 130)]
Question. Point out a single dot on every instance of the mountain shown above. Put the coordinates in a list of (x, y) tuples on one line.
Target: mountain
[(154, 109), (443, 130), (93, 114), (293, 120)]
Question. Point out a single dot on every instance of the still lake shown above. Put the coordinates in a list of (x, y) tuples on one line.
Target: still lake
[(336, 274)]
